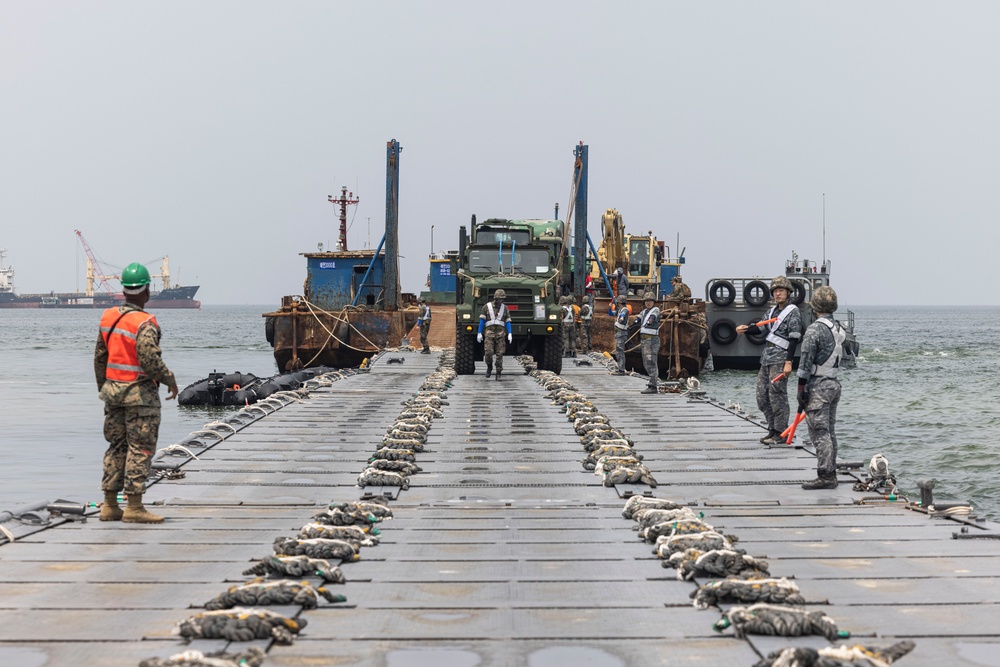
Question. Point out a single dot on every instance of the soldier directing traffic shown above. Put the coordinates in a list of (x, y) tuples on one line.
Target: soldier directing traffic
[(783, 335), (586, 323), (129, 370), (649, 335), (569, 310), (424, 323), (621, 315), (494, 322), (819, 388)]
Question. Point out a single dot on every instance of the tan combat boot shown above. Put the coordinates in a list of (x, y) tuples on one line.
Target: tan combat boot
[(136, 513), (110, 511)]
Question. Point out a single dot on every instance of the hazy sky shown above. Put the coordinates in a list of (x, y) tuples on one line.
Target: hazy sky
[(213, 132)]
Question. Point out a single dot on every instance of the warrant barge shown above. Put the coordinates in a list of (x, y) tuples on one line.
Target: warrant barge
[(503, 550)]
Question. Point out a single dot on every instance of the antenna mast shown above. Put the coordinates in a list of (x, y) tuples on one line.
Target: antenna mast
[(345, 199), (824, 229)]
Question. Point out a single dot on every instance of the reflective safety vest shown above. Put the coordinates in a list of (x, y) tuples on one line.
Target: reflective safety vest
[(425, 315), (621, 320), (651, 314), (120, 333), (568, 315), (496, 318), (829, 367), (772, 334), (586, 313)]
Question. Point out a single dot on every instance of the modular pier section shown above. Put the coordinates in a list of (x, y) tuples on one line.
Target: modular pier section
[(504, 550)]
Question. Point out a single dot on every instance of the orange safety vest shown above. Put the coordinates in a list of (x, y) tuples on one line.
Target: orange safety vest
[(123, 360)]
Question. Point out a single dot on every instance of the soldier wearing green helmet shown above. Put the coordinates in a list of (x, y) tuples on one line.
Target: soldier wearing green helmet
[(129, 369), (783, 330), (819, 388)]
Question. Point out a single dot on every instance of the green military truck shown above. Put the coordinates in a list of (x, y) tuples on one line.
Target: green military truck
[(519, 256)]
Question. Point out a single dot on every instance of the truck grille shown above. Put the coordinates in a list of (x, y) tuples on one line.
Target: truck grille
[(521, 304)]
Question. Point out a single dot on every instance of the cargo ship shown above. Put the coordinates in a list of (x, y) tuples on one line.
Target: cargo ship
[(168, 297)]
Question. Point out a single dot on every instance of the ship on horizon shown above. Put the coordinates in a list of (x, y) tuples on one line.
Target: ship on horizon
[(168, 297)]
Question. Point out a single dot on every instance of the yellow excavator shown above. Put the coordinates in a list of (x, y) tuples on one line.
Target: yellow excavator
[(641, 257)]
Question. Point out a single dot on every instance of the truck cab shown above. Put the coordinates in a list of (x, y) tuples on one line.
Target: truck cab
[(522, 258)]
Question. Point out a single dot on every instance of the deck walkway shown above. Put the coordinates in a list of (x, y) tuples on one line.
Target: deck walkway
[(504, 551)]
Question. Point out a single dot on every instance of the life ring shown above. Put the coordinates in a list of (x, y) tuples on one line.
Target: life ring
[(715, 293), (798, 294), (756, 293), (724, 332)]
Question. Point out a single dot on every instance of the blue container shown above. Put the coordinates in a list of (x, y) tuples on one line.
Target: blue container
[(333, 278), (442, 279)]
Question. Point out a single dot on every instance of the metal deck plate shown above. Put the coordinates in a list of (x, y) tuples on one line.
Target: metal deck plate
[(505, 550)]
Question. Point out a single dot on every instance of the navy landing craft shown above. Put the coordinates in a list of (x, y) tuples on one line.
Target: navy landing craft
[(735, 301)]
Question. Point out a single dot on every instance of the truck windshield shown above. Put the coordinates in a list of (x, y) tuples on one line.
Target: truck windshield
[(527, 260), (484, 236)]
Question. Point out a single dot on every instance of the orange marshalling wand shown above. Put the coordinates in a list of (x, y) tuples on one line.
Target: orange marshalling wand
[(777, 377), (763, 322), (790, 431)]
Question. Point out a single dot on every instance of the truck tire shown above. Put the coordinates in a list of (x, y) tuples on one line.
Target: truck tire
[(465, 353), (552, 352)]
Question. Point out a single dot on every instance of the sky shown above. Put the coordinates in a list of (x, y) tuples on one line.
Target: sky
[(213, 132)]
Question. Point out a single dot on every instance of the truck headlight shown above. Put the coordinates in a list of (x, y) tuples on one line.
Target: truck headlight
[(466, 316), (553, 317)]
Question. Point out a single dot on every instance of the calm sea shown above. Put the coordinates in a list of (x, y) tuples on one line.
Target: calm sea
[(924, 393)]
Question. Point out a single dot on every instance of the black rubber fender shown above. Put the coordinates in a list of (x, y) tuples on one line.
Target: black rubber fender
[(798, 294), (724, 332), (758, 338), (714, 293), (269, 330), (751, 288)]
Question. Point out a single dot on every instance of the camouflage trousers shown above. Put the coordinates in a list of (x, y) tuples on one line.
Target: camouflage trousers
[(772, 397), (494, 343), (425, 326), (821, 416), (650, 352), (569, 337), (131, 433), (585, 335), (620, 337)]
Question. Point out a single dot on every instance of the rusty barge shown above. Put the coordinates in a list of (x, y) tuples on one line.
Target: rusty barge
[(351, 306)]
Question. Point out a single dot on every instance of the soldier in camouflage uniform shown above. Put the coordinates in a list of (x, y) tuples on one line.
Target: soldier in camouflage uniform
[(568, 326), (681, 291), (783, 337), (129, 369), (424, 322), (819, 388), (586, 323), (621, 316), (649, 335), (494, 322)]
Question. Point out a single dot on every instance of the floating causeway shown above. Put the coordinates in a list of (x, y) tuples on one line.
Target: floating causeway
[(504, 550)]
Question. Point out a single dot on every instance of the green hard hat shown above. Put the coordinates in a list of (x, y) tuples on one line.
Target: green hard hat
[(135, 275)]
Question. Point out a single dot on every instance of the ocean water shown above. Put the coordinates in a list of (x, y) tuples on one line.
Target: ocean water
[(924, 393)]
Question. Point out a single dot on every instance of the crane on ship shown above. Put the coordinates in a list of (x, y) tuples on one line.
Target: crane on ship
[(95, 271)]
